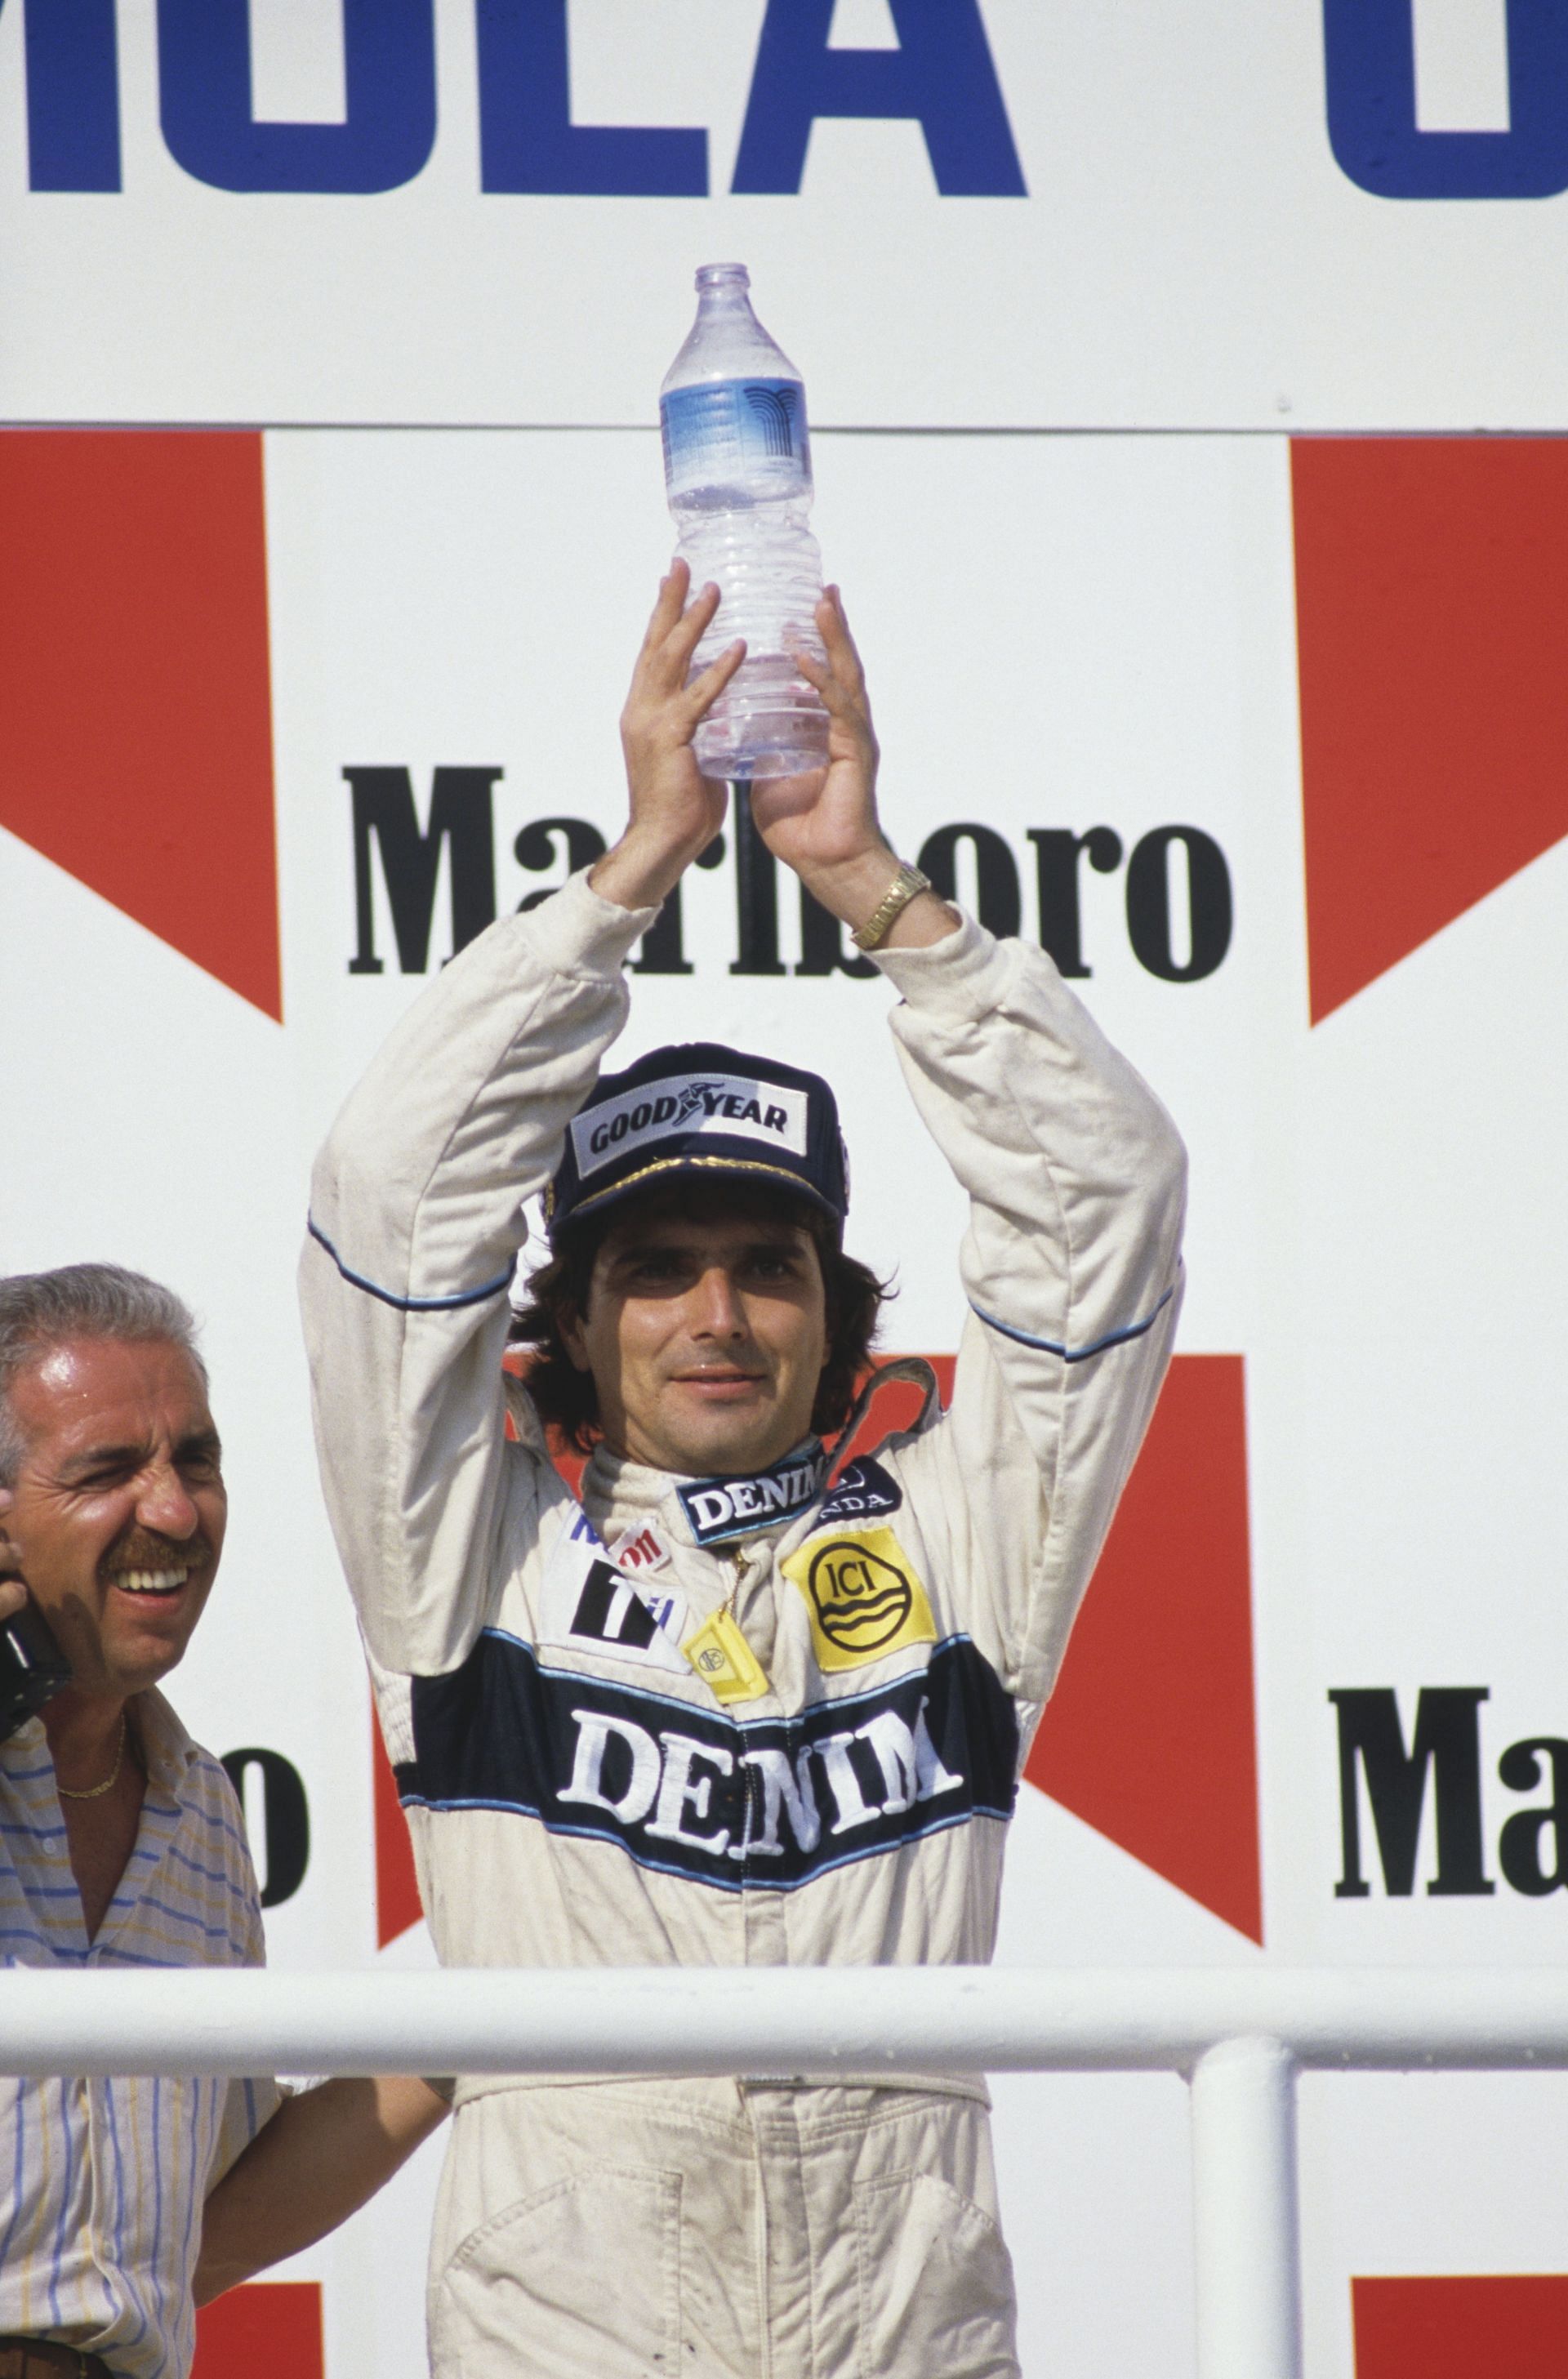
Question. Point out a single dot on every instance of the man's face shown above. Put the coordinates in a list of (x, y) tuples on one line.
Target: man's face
[(706, 1338), (118, 1509)]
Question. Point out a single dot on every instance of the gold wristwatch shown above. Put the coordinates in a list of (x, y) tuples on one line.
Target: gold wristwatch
[(894, 901)]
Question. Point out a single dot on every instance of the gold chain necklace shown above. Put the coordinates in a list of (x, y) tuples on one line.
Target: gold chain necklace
[(96, 1792)]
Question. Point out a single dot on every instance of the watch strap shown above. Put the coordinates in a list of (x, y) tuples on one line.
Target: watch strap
[(894, 901)]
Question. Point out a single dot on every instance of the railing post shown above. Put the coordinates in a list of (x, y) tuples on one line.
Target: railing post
[(1243, 2210)]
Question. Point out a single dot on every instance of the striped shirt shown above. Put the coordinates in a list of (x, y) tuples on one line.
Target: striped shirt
[(101, 2183)]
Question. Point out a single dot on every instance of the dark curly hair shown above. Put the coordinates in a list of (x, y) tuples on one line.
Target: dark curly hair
[(567, 1400)]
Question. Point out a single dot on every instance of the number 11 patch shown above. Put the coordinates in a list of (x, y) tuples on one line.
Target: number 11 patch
[(585, 1600)]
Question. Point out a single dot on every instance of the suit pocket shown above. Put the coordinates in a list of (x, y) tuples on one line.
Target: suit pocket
[(936, 2284), (580, 2281)]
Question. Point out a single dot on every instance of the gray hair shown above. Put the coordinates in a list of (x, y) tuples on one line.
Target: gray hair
[(40, 1309)]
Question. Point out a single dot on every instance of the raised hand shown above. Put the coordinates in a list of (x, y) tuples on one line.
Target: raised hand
[(826, 818), (824, 824), (675, 810)]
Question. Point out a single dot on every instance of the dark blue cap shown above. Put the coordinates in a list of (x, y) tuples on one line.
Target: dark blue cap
[(701, 1110)]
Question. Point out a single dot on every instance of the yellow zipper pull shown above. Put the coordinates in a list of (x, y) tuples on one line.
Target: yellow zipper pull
[(719, 1652)]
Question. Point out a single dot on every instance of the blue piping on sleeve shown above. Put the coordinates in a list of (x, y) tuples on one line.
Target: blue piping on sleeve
[(1078, 1354), (412, 1304)]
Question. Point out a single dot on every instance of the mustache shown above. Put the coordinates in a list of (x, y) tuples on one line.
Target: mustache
[(142, 1547)]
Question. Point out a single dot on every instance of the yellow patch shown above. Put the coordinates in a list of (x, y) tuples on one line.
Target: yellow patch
[(864, 1594), (724, 1659)]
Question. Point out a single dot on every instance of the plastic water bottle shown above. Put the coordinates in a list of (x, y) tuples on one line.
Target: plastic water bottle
[(737, 469)]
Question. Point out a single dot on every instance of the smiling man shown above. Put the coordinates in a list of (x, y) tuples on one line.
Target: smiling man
[(704, 1330), (122, 1844), (120, 1840), (722, 1707)]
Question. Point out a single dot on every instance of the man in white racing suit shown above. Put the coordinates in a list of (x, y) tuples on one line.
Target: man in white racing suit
[(723, 1710)]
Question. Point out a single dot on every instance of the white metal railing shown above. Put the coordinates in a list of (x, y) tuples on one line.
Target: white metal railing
[(1239, 2037)]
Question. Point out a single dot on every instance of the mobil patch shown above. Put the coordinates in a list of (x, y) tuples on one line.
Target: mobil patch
[(640, 1549), (864, 1594)]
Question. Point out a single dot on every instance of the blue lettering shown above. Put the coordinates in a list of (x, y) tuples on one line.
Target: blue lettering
[(389, 79), (1370, 58), (941, 73), (73, 96), (527, 140)]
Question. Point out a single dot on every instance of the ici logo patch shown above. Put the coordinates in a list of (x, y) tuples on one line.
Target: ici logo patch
[(864, 1597)]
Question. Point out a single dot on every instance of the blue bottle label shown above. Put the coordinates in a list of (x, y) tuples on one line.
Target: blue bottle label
[(721, 429)]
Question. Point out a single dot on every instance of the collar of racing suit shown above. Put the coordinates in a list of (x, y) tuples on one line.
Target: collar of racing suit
[(719, 1511), (712, 1513)]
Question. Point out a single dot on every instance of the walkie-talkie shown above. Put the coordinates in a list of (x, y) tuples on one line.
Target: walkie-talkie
[(32, 1667)]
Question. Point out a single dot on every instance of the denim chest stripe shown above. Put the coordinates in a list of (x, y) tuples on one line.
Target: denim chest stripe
[(766, 1803)]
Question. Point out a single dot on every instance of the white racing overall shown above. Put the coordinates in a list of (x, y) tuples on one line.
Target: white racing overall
[(577, 1793)]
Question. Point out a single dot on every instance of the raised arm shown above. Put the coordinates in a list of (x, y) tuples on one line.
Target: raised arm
[(673, 810), (1076, 1177), (824, 825), (416, 1212), (1072, 1268)]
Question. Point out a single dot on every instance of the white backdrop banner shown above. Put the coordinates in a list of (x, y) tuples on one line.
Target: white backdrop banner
[(983, 213), (1263, 739)]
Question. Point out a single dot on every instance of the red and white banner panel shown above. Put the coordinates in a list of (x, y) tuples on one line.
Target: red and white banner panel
[(1263, 741)]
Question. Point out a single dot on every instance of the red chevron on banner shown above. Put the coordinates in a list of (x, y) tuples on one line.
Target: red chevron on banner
[(261, 2332), (1432, 625), (397, 1884), (1151, 1736), (135, 745), (1461, 2327)]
